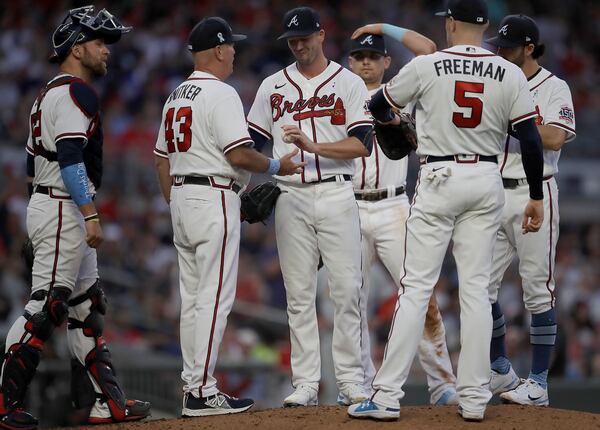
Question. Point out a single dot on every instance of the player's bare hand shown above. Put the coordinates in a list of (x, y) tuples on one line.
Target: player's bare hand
[(292, 134), (93, 233), (369, 28), (533, 216), (288, 166)]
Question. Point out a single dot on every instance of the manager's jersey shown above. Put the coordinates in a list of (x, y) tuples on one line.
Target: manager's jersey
[(377, 171), (554, 107), (326, 108), (55, 116), (202, 120), (466, 99)]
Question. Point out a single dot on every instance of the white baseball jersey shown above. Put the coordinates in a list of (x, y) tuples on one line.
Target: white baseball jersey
[(335, 97), (554, 106), (57, 117), (377, 171), (464, 80), (203, 119)]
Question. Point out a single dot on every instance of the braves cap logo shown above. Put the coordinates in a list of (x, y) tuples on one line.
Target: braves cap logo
[(503, 30), (368, 39), (220, 36), (294, 21)]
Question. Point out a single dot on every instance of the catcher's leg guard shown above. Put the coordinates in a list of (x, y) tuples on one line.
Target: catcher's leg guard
[(93, 379), (26, 340)]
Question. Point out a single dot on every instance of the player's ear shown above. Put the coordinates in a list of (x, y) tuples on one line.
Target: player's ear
[(387, 60), (219, 52), (77, 51), (351, 62), (529, 49), (321, 35)]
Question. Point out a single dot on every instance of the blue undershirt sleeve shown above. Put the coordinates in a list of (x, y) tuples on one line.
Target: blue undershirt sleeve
[(73, 171)]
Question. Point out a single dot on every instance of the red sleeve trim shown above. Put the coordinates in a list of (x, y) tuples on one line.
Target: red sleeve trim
[(70, 135), (160, 153), (260, 130), (359, 123), (560, 125), (29, 150), (389, 98), (235, 144), (524, 117)]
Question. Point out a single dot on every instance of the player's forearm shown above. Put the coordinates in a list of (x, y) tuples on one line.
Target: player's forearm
[(345, 149), (247, 158), (532, 157), (415, 42), (553, 138), (164, 178), (69, 154)]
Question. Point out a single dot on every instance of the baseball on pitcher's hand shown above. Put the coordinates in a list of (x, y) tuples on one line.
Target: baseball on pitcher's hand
[(287, 138)]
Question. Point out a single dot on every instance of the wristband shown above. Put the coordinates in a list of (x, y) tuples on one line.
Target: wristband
[(393, 31), (274, 166), (92, 217)]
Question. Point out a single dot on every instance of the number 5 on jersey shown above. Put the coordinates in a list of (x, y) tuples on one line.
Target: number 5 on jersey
[(184, 119), (462, 100)]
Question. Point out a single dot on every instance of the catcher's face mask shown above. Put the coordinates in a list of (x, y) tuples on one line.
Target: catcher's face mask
[(83, 24)]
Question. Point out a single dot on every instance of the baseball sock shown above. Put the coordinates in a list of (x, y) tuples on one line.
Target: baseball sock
[(542, 338), (497, 349)]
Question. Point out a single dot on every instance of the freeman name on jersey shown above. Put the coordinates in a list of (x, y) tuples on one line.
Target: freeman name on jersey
[(469, 67)]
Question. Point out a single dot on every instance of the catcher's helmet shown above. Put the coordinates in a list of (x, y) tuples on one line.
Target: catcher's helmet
[(83, 24)]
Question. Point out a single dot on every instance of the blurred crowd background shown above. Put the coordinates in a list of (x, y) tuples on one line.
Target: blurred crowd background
[(138, 263)]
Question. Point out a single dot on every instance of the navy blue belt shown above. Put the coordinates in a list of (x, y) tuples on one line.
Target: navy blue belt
[(461, 158), (331, 179)]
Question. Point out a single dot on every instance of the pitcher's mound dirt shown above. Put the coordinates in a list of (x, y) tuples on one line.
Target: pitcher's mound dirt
[(501, 417)]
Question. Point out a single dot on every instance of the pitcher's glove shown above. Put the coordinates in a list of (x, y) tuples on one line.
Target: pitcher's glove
[(258, 203), (397, 141)]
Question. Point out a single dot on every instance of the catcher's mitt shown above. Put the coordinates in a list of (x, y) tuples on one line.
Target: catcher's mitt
[(258, 203), (396, 141)]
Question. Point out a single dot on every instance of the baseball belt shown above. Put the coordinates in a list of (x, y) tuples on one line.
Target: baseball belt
[(511, 184), (49, 191), (204, 180), (460, 158), (376, 195), (331, 179)]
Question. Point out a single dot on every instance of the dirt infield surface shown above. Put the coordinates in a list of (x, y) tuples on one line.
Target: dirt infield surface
[(502, 417)]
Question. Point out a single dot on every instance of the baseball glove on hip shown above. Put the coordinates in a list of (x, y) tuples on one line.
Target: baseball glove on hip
[(397, 141), (258, 203)]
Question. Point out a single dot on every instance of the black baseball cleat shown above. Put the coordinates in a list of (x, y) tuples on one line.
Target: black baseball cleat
[(18, 419), (217, 404)]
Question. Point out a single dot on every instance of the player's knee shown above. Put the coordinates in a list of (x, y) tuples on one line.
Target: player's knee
[(54, 312), (93, 322)]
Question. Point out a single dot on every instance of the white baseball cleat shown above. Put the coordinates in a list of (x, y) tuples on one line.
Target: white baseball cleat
[(304, 395), (371, 410), (528, 393), (470, 416), (351, 394), (499, 383)]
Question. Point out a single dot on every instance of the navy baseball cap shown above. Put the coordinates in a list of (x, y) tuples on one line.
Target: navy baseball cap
[(471, 11), (368, 42), (515, 31), (211, 32), (300, 22)]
